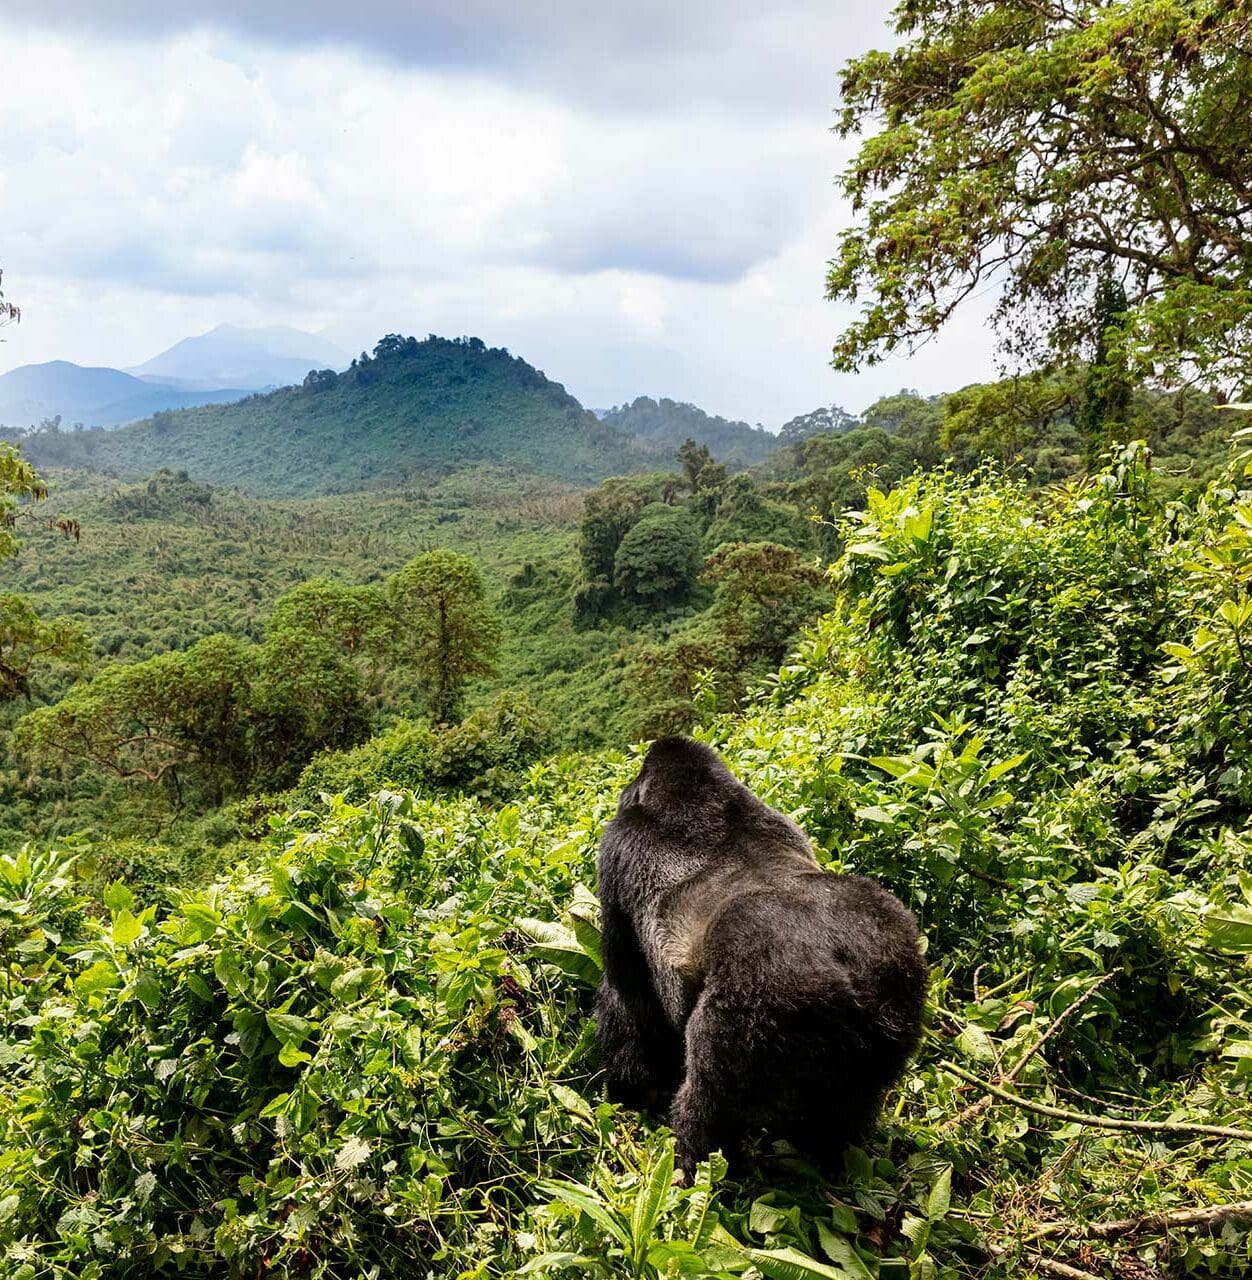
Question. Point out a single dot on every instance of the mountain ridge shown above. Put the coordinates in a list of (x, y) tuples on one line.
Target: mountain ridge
[(411, 411), (95, 395)]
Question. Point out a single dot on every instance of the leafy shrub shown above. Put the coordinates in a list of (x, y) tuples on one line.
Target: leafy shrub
[(659, 557)]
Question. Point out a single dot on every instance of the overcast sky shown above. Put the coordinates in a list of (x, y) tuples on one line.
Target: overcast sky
[(639, 199)]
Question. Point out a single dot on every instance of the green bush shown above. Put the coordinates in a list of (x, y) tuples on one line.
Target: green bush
[(659, 557)]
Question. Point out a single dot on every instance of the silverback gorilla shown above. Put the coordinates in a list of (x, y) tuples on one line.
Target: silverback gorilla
[(744, 988)]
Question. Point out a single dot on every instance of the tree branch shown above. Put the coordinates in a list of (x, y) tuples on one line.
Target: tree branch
[(1099, 1122), (1146, 1224)]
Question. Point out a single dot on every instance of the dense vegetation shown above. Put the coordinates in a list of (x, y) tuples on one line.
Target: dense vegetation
[(410, 412), (1087, 162), (364, 1050), (664, 425), (298, 969)]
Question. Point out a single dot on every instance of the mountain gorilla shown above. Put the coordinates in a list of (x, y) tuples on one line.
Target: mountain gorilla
[(744, 988)]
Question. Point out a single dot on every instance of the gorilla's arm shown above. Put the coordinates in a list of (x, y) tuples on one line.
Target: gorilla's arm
[(641, 1053)]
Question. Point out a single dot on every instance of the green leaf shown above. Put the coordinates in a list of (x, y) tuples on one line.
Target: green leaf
[(559, 945), (289, 1028), (940, 1195), (148, 989), (791, 1264), (558, 1262), (1004, 766), (650, 1199), (974, 1042), (1230, 929), (126, 929), (97, 977), (841, 1251), (586, 1201), (118, 897), (290, 1056)]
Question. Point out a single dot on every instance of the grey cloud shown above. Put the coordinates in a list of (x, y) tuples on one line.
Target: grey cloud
[(644, 55)]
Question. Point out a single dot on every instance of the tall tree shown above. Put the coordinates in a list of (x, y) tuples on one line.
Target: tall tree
[(446, 628), (1039, 147)]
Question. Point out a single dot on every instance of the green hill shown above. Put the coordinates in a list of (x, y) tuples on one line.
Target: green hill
[(413, 411), (664, 424)]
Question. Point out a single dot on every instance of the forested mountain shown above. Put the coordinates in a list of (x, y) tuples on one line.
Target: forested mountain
[(665, 424), (95, 397), (411, 410)]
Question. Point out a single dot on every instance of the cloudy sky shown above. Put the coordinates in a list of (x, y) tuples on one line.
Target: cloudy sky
[(638, 199)]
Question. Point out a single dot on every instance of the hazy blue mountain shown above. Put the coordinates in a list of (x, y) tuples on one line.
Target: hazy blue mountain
[(96, 397), (664, 424), (229, 356)]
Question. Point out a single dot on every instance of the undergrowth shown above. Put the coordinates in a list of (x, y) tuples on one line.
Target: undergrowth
[(365, 1050)]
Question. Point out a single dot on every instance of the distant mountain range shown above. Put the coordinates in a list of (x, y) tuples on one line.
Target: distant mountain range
[(96, 397), (225, 364), (256, 359), (411, 412)]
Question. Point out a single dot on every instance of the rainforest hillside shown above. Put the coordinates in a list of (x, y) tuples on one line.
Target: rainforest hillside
[(664, 424), (412, 411)]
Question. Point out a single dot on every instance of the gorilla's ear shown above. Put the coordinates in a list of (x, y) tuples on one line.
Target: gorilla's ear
[(641, 792)]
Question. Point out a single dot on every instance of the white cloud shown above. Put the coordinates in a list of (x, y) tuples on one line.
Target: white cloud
[(671, 246)]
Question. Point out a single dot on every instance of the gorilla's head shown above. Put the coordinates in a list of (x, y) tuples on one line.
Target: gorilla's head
[(680, 778)]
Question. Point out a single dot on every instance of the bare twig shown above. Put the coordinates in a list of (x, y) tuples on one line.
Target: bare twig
[(1147, 1224), (1098, 1122), (1051, 1267), (1044, 1266)]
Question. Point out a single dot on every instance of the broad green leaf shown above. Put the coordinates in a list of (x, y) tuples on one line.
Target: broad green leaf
[(791, 1264), (1230, 929), (289, 1028), (97, 977), (940, 1195), (840, 1250), (650, 1199), (126, 929), (974, 1042), (586, 1201)]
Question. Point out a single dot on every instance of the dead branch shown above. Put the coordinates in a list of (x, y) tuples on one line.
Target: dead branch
[(1147, 1224), (1099, 1122)]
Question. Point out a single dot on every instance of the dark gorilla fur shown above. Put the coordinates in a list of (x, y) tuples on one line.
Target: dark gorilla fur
[(744, 988)]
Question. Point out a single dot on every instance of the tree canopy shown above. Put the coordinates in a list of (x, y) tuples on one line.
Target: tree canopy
[(446, 628), (1048, 150)]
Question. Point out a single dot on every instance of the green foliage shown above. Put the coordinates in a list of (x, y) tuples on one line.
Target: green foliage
[(608, 514), (486, 755), (223, 714), (165, 495), (659, 557), (744, 514), (412, 411), (815, 423), (367, 1047), (28, 642), (665, 424), (445, 630), (764, 594), (1047, 150)]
